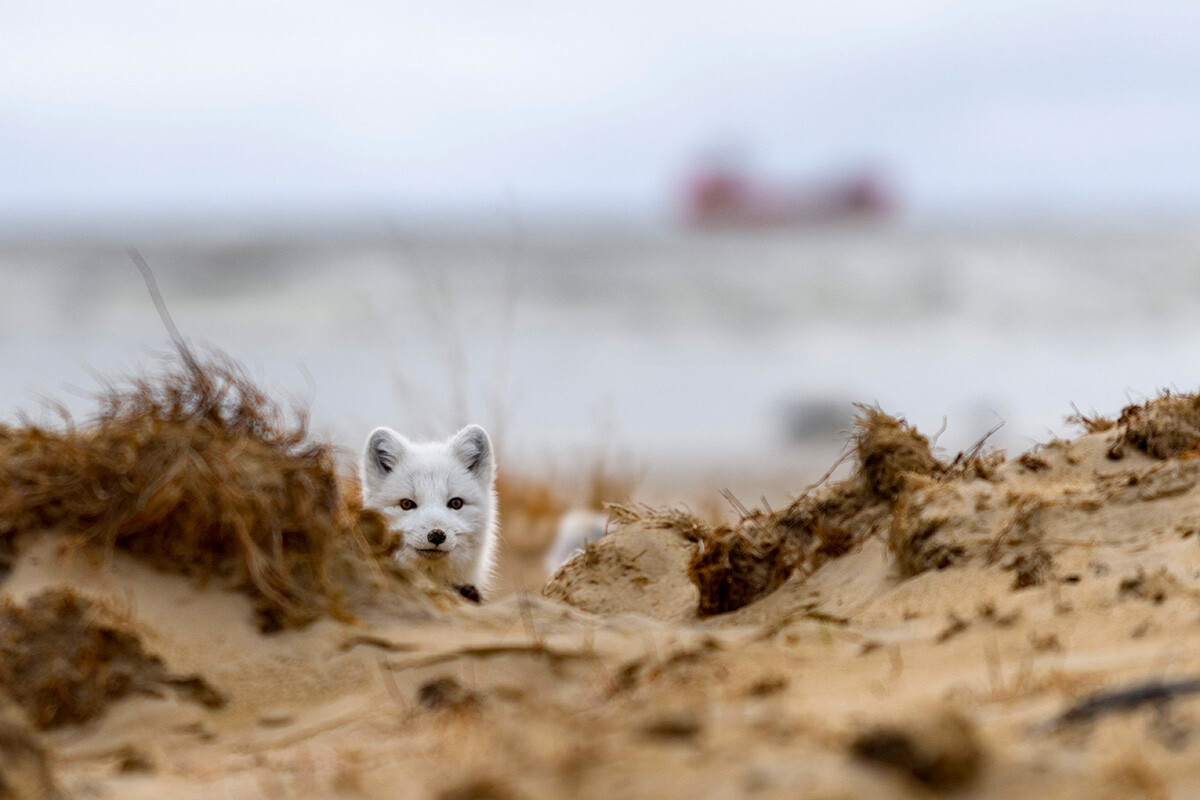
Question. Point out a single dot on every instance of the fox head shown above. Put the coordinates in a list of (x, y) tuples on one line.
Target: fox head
[(438, 496)]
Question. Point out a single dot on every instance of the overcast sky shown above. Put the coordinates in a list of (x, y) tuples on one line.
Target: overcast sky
[(977, 108)]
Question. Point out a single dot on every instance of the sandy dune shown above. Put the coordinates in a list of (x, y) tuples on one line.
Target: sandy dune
[(919, 627)]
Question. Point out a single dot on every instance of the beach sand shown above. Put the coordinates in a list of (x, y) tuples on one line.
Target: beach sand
[(920, 627)]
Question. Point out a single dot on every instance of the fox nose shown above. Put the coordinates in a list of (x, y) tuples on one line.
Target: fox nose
[(436, 537)]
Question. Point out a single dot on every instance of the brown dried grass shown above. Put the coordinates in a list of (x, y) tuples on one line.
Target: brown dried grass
[(913, 541), (889, 452), (939, 750), (195, 470), (1091, 423), (734, 565), (64, 660), (1165, 427), (891, 457)]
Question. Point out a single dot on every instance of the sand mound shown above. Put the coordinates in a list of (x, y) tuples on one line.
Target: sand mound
[(63, 662), (980, 627), (734, 565), (196, 471), (1022, 520), (640, 566)]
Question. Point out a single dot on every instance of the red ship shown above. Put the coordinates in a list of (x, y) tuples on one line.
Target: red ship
[(727, 197)]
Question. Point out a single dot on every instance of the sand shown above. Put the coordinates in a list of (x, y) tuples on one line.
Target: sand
[(964, 609)]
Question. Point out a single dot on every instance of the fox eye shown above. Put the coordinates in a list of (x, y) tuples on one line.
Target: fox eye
[(455, 503), (407, 505)]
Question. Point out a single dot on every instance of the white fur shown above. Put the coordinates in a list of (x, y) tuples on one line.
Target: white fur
[(431, 474), (575, 529)]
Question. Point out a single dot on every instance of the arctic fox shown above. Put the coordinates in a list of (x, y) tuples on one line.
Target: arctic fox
[(575, 529), (440, 497)]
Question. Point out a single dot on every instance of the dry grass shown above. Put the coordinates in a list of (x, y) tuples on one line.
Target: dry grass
[(1165, 427), (195, 470), (683, 522), (531, 507), (939, 750), (913, 542), (889, 452), (608, 485), (1091, 423), (890, 457), (63, 661), (734, 565)]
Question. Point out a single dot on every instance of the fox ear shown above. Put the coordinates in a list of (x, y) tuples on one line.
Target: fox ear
[(384, 450), (473, 448)]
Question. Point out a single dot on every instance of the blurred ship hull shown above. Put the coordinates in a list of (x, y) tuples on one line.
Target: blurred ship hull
[(722, 198)]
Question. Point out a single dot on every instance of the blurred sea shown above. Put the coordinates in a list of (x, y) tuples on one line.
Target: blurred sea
[(684, 352)]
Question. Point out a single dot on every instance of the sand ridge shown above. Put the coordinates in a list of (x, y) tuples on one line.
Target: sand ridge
[(920, 627)]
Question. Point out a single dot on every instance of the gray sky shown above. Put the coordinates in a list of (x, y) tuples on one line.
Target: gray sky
[(978, 108)]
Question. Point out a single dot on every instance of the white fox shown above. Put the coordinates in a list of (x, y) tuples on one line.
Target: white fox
[(440, 497)]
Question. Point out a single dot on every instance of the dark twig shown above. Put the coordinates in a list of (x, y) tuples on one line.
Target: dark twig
[(490, 651), (1125, 699), (376, 641)]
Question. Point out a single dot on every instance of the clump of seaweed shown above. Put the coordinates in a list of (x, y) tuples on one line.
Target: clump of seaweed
[(686, 524), (478, 788), (833, 520), (734, 566), (197, 471), (889, 456), (940, 752), (889, 452), (1091, 423), (1165, 427), (913, 543), (63, 662)]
